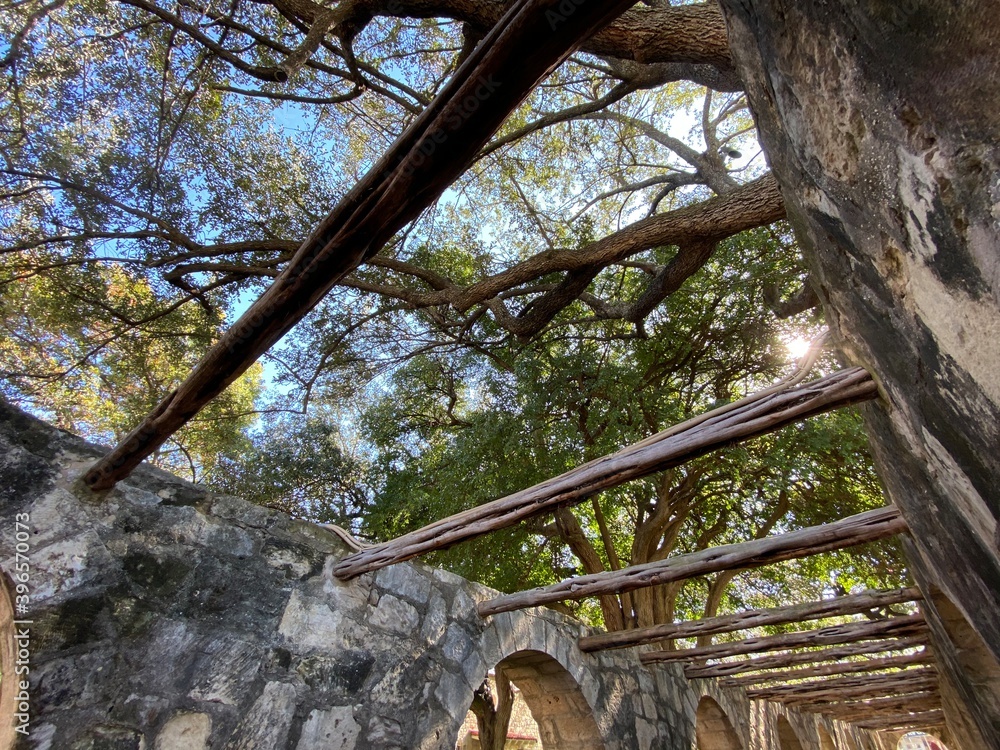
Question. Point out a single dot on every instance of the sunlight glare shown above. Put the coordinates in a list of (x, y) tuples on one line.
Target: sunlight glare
[(798, 347)]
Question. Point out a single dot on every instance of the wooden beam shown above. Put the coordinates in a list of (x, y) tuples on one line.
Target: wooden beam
[(828, 636), (781, 661), (845, 605), (849, 710), (520, 50), (711, 431), (811, 687), (828, 670), (864, 527), (904, 721), (858, 692)]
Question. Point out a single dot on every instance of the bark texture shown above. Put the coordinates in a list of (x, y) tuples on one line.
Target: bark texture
[(881, 120)]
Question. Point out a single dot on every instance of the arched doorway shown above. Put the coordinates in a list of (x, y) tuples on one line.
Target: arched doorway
[(562, 717), (787, 738), (713, 729), (825, 740)]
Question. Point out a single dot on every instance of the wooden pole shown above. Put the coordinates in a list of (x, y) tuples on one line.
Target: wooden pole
[(904, 721), (660, 452), (781, 661), (829, 636), (847, 532), (925, 700), (845, 605), (857, 692), (523, 47), (828, 670), (913, 676)]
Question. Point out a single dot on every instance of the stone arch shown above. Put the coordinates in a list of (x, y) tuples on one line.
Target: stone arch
[(713, 730), (565, 720), (787, 738), (825, 740)]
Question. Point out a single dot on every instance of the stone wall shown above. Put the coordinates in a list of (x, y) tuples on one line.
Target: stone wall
[(168, 618), (881, 121)]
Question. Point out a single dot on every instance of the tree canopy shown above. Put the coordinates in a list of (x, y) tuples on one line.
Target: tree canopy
[(613, 262)]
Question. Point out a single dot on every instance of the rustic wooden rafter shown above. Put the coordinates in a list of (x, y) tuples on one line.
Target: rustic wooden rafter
[(670, 448), (520, 50), (872, 689), (829, 670), (845, 605), (847, 532), (811, 687), (850, 710), (783, 661), (904, 721), (832, 635)]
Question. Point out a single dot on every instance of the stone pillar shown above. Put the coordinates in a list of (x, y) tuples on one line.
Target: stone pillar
[(881, 120)]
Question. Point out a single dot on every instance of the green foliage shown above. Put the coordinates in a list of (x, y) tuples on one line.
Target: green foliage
[(73, 351), (153, 183), (296, 465)]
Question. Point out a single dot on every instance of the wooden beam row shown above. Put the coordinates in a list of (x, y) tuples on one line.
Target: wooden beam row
[(847, 532), (858, 692), (845, 605), (782, 661), (904, 721), (914, 676), (828, 636), (714, 430), (925, 700), (830, 670)]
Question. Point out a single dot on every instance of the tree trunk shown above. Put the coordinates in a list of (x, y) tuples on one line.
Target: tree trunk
[(493, 710), (881, 121)]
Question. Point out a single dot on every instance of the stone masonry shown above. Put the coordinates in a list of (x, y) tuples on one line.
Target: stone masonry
[(170, 618)]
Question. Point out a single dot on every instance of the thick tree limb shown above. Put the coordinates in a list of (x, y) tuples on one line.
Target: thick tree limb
[(846, 605), (833, 635), (428, 157), (654, 454), (663, 34), (780, 661)]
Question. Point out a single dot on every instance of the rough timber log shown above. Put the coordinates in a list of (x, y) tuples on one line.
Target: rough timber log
[(781, 661), (857, 692), (654, 454), (914, 676), (835, 634), (828, 670), (905, 721), (847, 532), (845, 605), (514, 56), (923, 701)]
